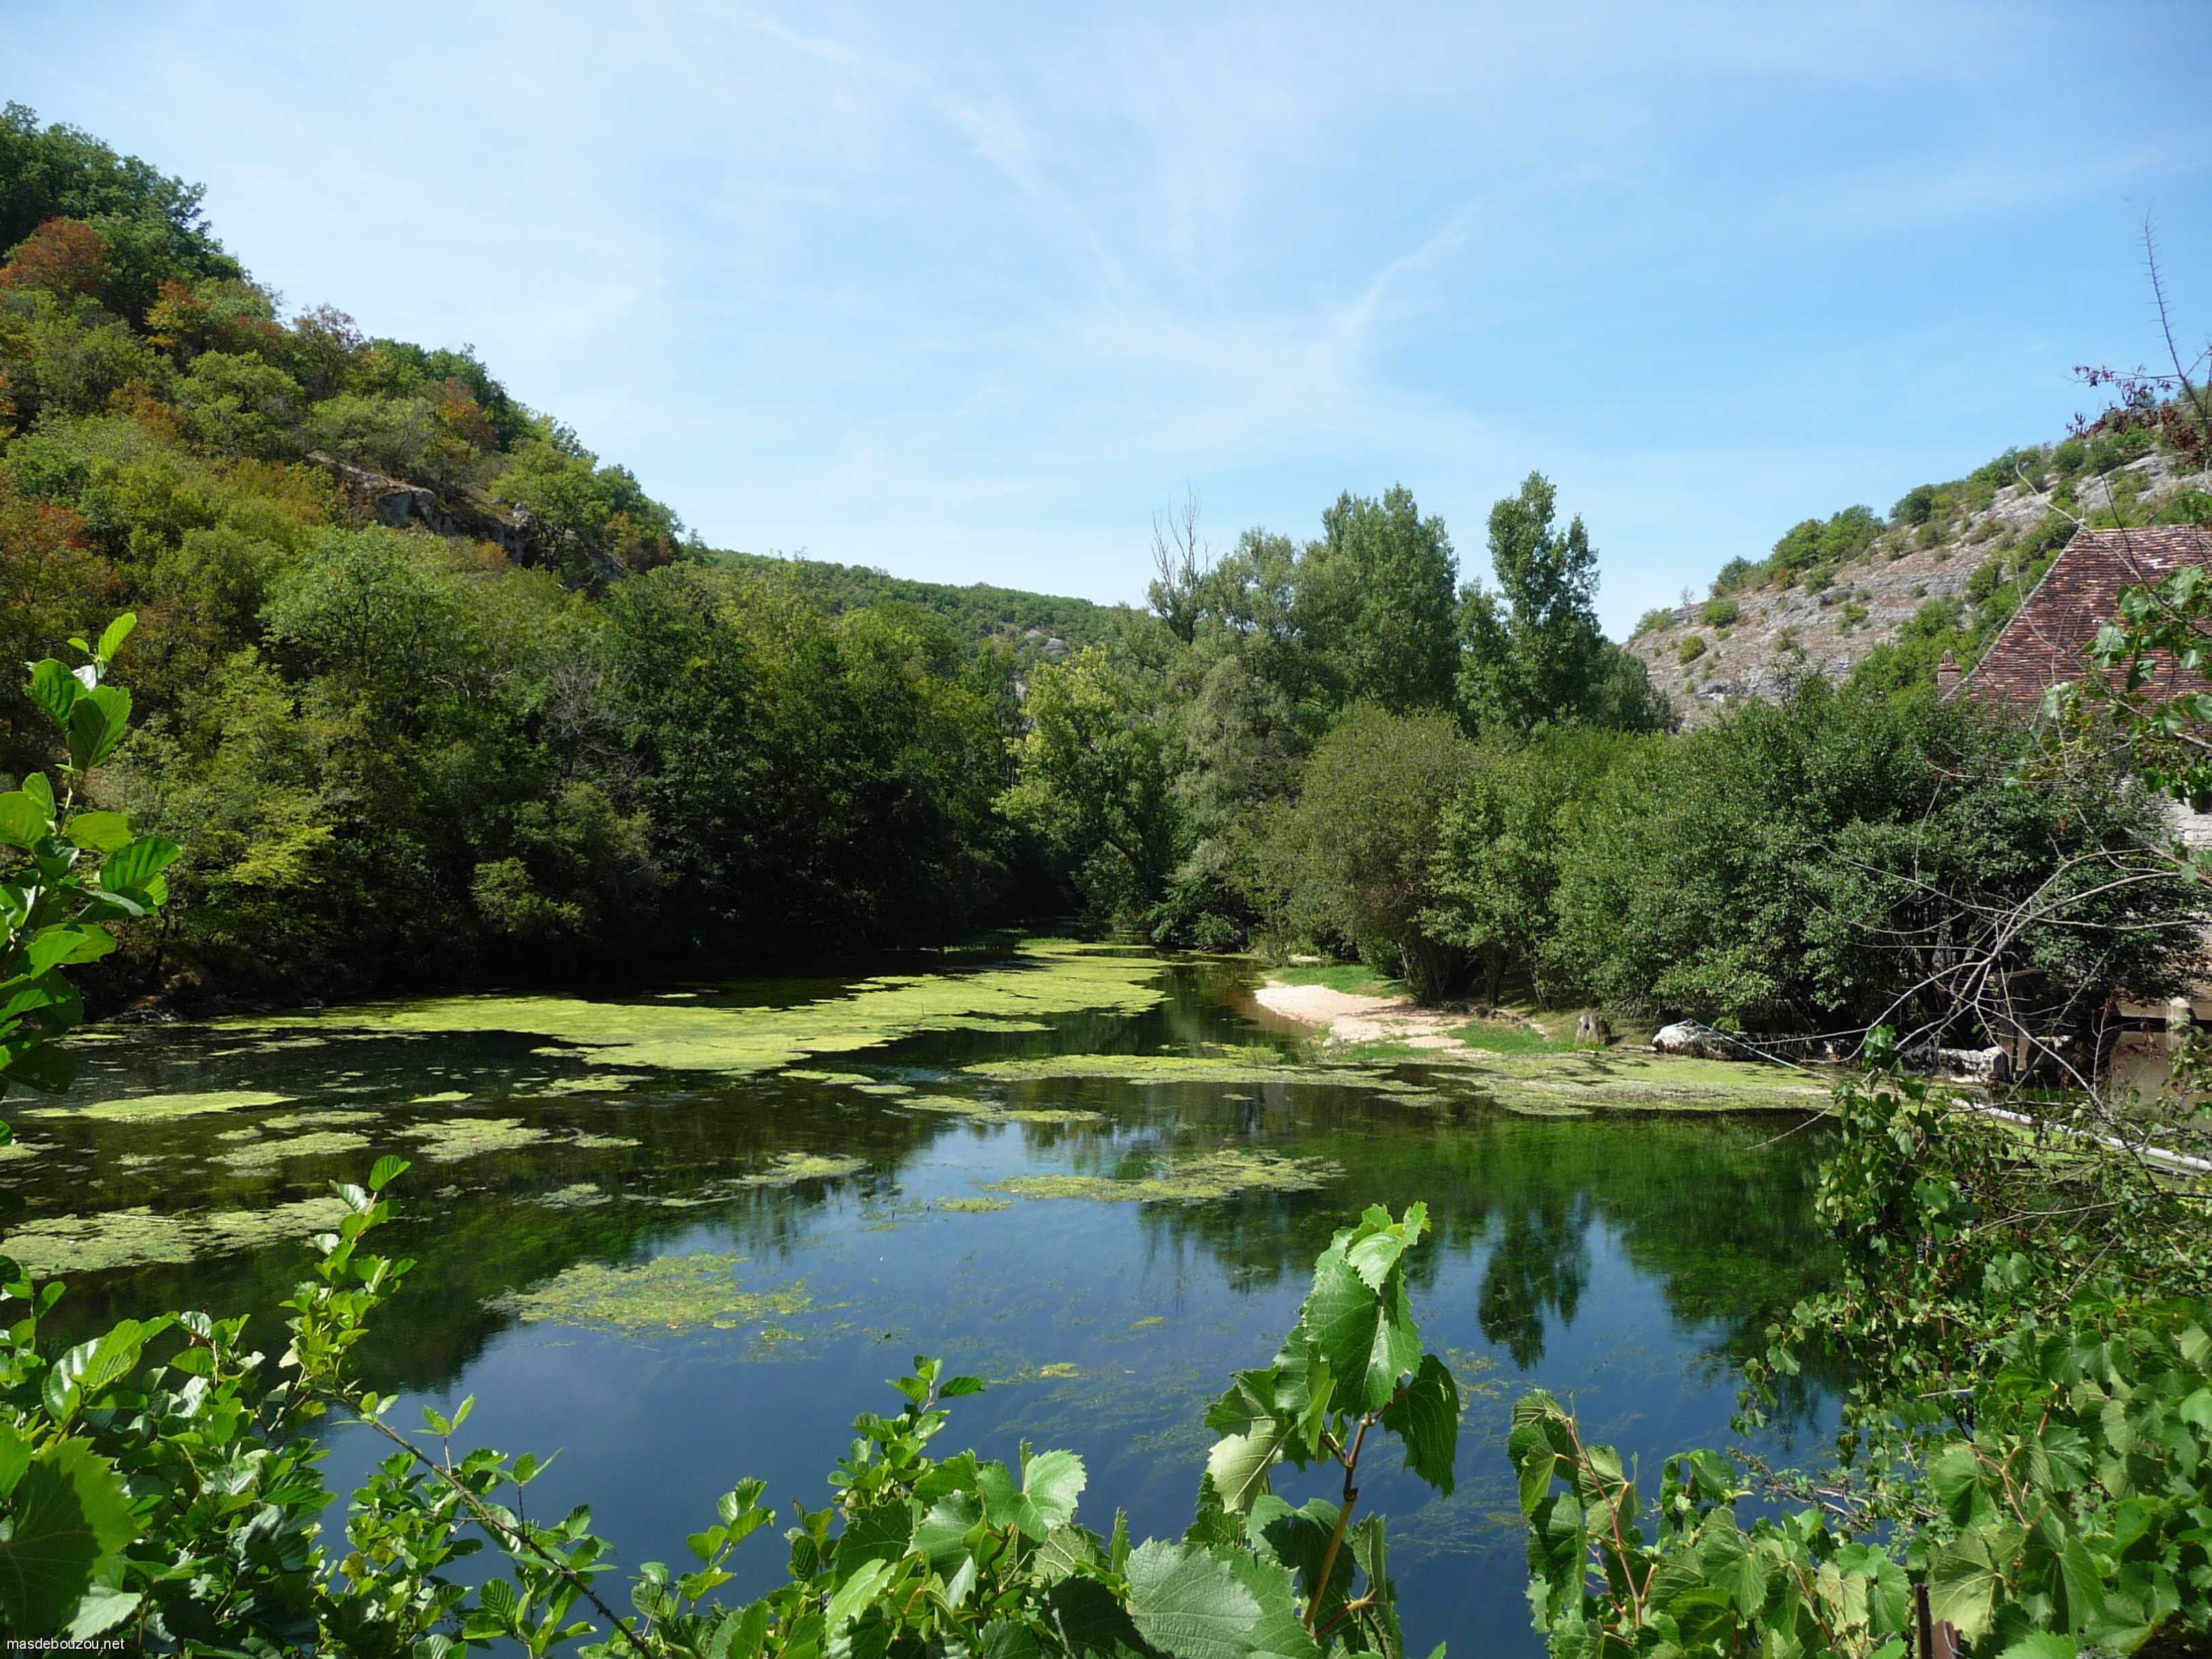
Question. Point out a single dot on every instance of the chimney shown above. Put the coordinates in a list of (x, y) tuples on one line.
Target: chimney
[(1946, 678)]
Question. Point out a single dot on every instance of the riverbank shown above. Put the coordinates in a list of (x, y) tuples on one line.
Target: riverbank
[(1361, 1016)]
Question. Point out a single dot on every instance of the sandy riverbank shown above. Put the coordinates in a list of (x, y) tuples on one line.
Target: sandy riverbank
[(1350, 1018)]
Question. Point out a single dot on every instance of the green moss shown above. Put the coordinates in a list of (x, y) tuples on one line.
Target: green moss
[(1043, 977), (973, 1205), (670, 1293), (1195, 1179), (1499, 1036), (601, 1143), (154, 1108), (268, 1154), (107, 1239)]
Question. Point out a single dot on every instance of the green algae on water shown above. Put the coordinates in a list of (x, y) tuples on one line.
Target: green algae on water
[(789, 1169), (1195, 1179), (269, 1153), (106, 1239), (155, 1108), (1040, 977), (974, 1205), (336, 1118), (470, 1137), (668, 1293)]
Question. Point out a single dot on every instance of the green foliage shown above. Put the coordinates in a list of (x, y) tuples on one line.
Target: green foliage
[(1790, 866), (2026, 1452), (1719, 612), (1531, 654), (1692, 647), (1497, 847), (1651, 620), (176, 1501), (1353, 858), (1377, 588)]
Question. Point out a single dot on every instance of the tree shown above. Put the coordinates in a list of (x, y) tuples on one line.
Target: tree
[(1180, 564), (1355, 855), (1095, 780), (1375, 598), (1500, 843), (1531, 652)]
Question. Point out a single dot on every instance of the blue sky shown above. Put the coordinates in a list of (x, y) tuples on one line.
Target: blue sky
[(968, 292)]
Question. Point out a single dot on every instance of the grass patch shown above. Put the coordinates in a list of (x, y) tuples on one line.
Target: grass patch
[(1354, 978), (1498, 1037)]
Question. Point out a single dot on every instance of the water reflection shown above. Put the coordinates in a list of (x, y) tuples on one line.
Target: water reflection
[(1628, 1260)]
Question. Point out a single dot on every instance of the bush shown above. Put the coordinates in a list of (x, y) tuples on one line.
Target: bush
[(1692, 647), (1916, 505), (1719, 612), (1657, 618)]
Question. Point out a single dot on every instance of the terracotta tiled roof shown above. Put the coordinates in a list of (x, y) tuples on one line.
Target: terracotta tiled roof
[(2044, 641)]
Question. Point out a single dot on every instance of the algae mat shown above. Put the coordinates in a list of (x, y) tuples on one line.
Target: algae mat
[(1038, 979)]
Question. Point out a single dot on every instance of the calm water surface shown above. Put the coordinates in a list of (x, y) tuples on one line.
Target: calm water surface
[(1624, 1259)]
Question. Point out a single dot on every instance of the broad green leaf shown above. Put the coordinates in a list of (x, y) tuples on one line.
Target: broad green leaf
[(112, 636), (2085, 1585), (138, 863), (54, 689), (1280, 1631), (1964, 1578), (45, 1066), (2042, 1645), (1187, 1602), (387, 1170), (1954, 1475), (102, 832), (97, 720), (880, 1532), (89, 1369), (1377, 1244), (23, 822), (1003, 1639), (1045, 1499), (54, 947), (941, 1534), (102, 1608), (1368, 1340), (71, 1512), (1299, 1538), (856, 1594), (1240, 1461), (1727, 1560), (1426, 1419)]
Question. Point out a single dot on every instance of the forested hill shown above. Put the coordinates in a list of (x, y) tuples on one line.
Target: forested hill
[(1035, 624), (1881, 597), (426, 690)]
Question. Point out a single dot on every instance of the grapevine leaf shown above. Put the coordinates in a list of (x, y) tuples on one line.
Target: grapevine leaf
[(1425, 1418)]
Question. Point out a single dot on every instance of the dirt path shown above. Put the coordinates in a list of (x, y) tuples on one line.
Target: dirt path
[(1350, 1017)]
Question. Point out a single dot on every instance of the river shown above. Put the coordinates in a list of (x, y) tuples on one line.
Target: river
[(684, 1237)]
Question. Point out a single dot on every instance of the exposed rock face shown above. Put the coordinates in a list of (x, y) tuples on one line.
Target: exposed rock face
[(405, 505), (1779, 637)]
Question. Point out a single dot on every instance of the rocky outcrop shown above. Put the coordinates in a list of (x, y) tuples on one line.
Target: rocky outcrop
[(405, 506), (1778, 637)]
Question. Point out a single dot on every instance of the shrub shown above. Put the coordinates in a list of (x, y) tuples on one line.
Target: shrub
[(1657, 618), (1916, 505), (1719, 612), (1692, 647)]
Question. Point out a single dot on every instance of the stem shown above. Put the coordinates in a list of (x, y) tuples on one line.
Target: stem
[(1343, 1519), (509, 1539)]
